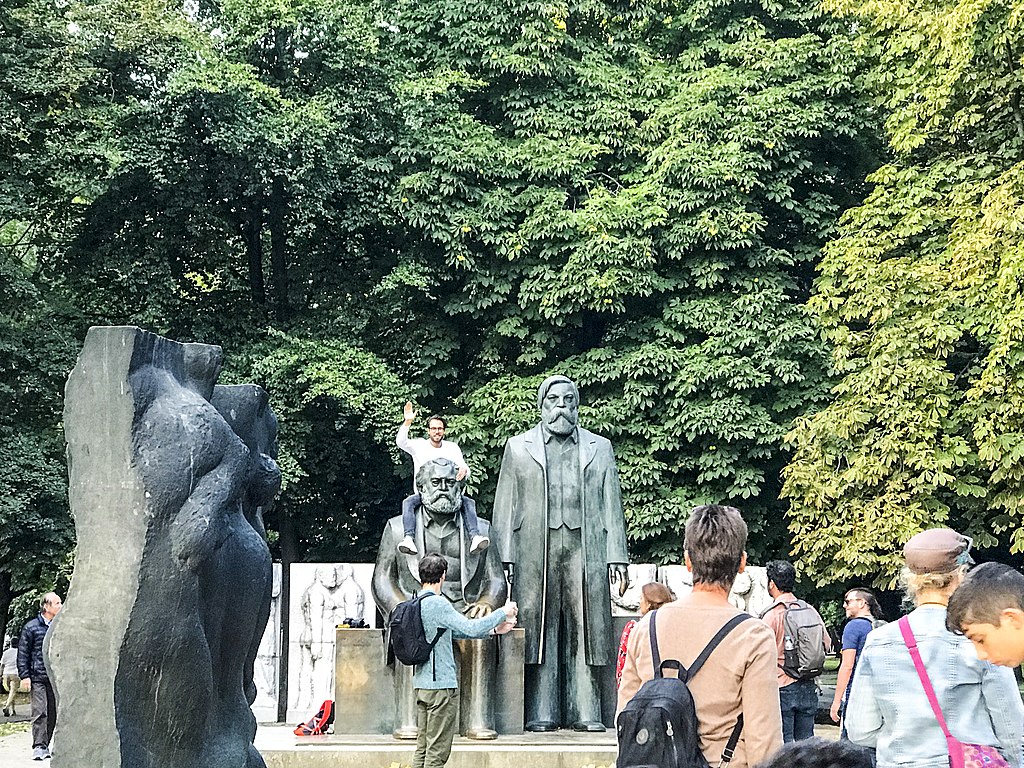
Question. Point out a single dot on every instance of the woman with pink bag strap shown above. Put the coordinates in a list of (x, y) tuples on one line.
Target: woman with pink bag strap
[(904, 706)]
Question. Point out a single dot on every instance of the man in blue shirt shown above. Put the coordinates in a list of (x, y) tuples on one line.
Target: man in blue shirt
[(435, 681), (860, 606)]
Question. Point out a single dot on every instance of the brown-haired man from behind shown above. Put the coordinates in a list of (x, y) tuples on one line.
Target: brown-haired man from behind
[(739, 677)]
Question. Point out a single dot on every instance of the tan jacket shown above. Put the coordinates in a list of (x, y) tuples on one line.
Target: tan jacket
[(738, 677)]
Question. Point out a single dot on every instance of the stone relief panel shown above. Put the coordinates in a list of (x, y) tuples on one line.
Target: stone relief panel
[(322, 596)]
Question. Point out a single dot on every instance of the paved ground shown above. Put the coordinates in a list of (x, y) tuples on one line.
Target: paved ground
[(16, 750)]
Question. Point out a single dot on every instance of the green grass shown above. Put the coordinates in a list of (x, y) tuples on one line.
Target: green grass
[(6, 729)]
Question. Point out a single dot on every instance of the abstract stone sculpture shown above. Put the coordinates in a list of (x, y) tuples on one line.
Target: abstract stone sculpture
[(153, 658), (562, 536), (475, 585)]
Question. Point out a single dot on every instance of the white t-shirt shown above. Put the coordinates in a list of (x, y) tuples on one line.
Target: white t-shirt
[(422, 451), (9, 662)]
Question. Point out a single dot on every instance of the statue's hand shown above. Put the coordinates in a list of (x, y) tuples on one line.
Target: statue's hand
[(619, 574), (478, 609)]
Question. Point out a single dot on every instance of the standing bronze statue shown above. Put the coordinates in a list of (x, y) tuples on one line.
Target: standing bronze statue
[(475, 585), (559, 527)]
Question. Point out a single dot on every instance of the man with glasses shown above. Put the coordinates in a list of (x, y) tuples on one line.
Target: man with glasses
[(862, 611), (422, 451)]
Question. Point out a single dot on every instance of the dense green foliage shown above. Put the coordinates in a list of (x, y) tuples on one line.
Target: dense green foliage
[(920, 298), (437, 201), (634, 196)]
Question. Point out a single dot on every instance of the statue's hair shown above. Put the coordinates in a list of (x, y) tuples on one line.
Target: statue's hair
[(819, 753), (550, 381), (426, 471), (985, 593)]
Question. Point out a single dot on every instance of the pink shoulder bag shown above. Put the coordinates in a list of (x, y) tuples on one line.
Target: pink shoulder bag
[(960, 755)]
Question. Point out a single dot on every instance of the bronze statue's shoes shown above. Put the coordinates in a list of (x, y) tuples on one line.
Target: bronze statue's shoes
[(590, 726), (541, 726)]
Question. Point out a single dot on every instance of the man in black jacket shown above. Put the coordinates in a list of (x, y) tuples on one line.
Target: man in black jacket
[(32, 667)]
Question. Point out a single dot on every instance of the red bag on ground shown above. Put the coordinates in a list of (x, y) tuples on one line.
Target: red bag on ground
[(317, 724)]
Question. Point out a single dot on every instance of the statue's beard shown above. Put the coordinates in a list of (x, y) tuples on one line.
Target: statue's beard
[(442, 503), (561, 422)]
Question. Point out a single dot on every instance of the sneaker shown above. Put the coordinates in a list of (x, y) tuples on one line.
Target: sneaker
[(38, 753), (479, 544), (408, 546), (6, 712), (48, 754)]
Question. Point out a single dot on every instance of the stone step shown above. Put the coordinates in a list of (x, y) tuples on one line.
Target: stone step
[(562, 749)]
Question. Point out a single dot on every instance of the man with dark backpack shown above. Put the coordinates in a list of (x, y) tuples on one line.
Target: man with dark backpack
[(434, 679), (698, 683), (802, 642)]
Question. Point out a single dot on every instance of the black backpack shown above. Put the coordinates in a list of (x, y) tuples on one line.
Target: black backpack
[(407, 638), (658, 727)]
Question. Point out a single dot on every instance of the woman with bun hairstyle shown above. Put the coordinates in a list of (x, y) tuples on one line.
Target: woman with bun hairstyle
[(653, 595)]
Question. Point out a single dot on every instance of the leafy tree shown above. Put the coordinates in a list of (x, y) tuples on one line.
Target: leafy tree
[(51, 155), (633, 195), (920, 297)]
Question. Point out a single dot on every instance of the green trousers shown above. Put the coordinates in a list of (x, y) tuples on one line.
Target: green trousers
[(436, 712)]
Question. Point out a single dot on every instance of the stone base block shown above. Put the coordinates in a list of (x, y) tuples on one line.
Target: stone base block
[(562, 749)]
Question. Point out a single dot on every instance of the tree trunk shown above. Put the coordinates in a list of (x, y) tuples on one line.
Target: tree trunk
[(278, 237), (6, 598), (289, 542), (253, 235)]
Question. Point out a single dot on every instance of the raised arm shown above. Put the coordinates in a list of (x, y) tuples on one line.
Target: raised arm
[(402, 438)]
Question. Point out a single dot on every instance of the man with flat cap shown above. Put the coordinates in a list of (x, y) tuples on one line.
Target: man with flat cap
[(562, 537)]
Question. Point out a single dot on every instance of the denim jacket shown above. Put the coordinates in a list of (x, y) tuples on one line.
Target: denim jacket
[(888, 708)]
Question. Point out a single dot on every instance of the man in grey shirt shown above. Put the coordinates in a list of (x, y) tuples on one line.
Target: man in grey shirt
[(435, 681)]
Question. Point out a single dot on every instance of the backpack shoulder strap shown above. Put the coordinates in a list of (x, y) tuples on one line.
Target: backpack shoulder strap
[(655, 654), (772, 607), (734, 739), (440, 630), (730, 625)]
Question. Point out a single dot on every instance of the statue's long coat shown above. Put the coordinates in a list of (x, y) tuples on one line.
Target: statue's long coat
[(520, 528)]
